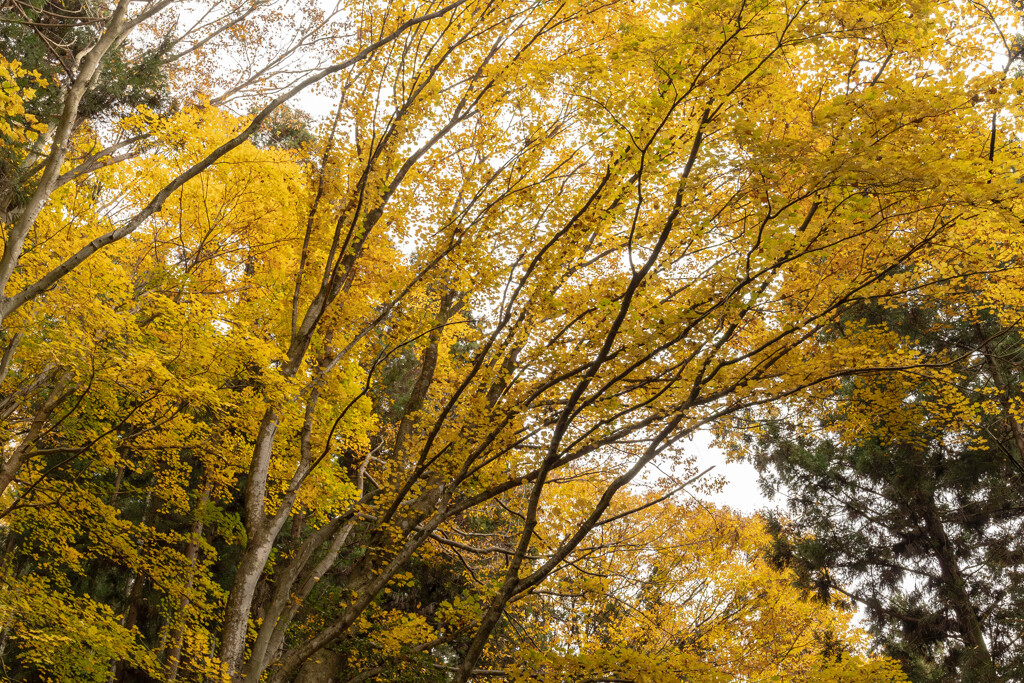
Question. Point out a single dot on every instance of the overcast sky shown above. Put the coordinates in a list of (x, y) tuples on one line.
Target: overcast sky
[(741, 490)]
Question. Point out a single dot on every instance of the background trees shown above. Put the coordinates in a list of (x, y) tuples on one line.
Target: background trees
[(913, 505), (369, 401)]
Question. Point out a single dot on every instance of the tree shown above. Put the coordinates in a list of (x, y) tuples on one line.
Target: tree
[(532, 244), (686, 592), (97, 51), (913, 503)]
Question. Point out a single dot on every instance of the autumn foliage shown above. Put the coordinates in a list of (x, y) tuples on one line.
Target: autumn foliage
[(401, 389)]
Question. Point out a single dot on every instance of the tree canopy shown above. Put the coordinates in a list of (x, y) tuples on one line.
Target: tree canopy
[(400, 389)]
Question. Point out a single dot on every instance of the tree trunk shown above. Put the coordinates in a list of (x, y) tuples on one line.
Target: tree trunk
[(978, 666), (322, 667)]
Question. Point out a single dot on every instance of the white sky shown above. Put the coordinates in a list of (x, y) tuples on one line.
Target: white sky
[(741, 491)]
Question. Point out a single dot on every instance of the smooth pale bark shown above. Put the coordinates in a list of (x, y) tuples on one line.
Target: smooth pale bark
[(20, 231), (89, 66), (250, 569), (288, 598), (293, 660)]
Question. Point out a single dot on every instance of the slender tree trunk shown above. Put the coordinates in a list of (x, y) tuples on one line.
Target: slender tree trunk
[(8, 356), (236, 621), (88, 68), (979, 666), (258, 546), (288, 599)]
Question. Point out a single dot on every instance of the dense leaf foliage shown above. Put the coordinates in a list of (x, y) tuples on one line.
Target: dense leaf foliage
[(907, 495), (403, 392)]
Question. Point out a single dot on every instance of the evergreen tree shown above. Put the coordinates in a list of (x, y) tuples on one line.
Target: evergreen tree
[(907, 496)]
